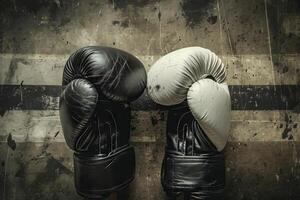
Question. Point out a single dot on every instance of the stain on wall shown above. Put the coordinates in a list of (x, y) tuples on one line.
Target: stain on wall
[(284, 25), (194, 11), (11, 142)]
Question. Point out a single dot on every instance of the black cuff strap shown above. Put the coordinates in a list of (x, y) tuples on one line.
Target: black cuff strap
[(205, 172), (95, 176)]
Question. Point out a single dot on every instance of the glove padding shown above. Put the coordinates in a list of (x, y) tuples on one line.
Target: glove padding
[(77, 105), (209, 103), (116, 74)]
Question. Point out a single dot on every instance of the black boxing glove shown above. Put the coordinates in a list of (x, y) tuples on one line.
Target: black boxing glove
[(98, 84)]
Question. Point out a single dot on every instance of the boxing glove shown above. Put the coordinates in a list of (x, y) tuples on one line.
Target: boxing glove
[(191, 81), (98, 85)]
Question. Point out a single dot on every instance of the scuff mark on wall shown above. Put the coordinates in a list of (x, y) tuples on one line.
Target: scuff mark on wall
[(286, 134), (13, 66), (212, 19), (11, 142), (194, 11), (225, 25), (159, 15), (122, 23), (56, 134)]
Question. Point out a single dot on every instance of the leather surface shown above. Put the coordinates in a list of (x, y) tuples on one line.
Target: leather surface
[(116, 74), (99, 83), (170, 77), (192, 173), (210, 104), (77, 105), (97, 175), (192, 164)]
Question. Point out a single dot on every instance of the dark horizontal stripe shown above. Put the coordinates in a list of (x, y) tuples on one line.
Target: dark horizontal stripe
[(244, 97)]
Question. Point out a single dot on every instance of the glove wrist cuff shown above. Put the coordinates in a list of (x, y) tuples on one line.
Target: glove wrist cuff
[(205, 172), (96, 176)]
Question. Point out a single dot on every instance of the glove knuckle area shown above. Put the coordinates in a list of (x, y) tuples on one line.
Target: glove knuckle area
[(116, 74), (170, 78)]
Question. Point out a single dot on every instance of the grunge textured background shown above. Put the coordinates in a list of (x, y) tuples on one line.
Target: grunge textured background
[(258, 40)]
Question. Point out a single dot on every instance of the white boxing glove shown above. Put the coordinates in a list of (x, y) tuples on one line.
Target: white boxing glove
[(182, 75), (192, 81)]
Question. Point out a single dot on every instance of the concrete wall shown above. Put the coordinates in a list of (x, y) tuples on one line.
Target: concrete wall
[(258, 40)]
